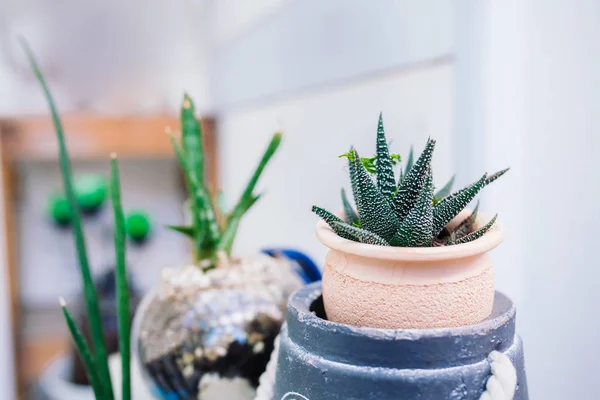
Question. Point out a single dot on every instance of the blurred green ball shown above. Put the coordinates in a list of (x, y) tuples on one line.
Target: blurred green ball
[(91, 191), (138, 225), (59, 209)]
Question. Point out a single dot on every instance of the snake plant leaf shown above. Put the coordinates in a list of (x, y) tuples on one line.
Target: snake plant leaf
[(247, 198), (445, 190), (186, 230), (89, 289), (452, 205), (410, 189), (84, 352), (122, 285), (495, 176), (362, 235), (191, 137), (473, 235), (191, 184), (351, 217), (386, 182), (331, 219), (466, 225), (374, 211), (416, 229)]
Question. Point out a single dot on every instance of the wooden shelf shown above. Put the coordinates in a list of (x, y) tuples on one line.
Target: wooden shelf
[(88, 136)]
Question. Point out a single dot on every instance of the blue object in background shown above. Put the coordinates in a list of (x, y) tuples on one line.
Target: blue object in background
[(307, 270)]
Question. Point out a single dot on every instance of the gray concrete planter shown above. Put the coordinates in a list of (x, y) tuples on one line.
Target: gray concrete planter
[(321, 360)]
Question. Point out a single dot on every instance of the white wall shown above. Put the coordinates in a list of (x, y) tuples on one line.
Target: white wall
[(322, 72), (318, 127), (541, 68)]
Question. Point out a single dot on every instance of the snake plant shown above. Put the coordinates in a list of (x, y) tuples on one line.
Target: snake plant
[(94, 356), (212, 229), (407, 212)]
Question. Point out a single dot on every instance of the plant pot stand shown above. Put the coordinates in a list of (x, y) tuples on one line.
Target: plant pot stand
[(319, 359)]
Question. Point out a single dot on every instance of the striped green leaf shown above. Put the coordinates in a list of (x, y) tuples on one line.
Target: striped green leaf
[(464, 228), (331, 220), (473, 235), (410, 189), (362, 235), (374, 211), (386, 182), (452, 205), (351, 217), (495, 176), (416, 229)]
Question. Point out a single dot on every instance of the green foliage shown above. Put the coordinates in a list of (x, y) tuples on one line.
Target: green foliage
[(406, 214), (349, 213), (123, 298), (410, 189), (362, 235), (94, 358), (212, 229), (100, 356), (333, 220)]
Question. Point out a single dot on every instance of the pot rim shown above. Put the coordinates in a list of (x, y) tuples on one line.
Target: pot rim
[(482, 245)]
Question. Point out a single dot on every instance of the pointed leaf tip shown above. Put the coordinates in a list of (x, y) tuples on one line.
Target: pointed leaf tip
[(452, 205)]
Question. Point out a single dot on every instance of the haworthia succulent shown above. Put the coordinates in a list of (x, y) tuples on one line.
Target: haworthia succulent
[(331, 220), (466, 225), (452, 205), (89, 289), (374, 211), (122, 285), (417, 217), (247, 199), (362, 235), (409, 161), (84, 352), (473, 235), (350, 214), (386, 182), (416, 229), (410, 189), (494, 176), (445, 190)]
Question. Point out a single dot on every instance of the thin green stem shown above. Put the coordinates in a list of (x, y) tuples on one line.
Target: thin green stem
[(93, 310), (122, 284)]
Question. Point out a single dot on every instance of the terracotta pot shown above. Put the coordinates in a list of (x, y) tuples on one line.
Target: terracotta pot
[(404, 288)]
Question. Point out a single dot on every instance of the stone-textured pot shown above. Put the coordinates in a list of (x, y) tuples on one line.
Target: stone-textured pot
[(399, 287), (324, 360), (209, 335)]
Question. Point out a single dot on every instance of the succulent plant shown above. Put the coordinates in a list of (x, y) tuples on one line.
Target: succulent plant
[(407, 212), (213, 230)]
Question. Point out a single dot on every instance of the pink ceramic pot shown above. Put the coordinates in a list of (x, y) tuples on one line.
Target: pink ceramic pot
[(404, 288)]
